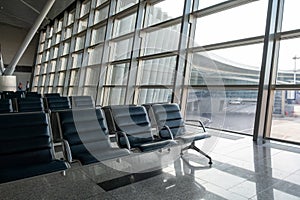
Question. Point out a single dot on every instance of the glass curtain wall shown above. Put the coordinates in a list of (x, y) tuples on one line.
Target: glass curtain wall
[(286, 98), (204, 54)]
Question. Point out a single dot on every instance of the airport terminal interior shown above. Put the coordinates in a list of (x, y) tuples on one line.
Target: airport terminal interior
[(150, 99)]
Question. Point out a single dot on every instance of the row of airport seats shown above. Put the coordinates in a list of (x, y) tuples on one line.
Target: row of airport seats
[(50, 102), (18, 94), (27, 142), (85, 132)]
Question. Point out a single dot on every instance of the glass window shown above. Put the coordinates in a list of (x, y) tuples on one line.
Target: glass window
[(43, 37), (37, 70), (95, 55), (43, 80), (39, 58), (101, 14), (161, 11), (44, 68), (71, 91), (92, 76), (55, 52), (61, 79), (82, 24), (68, 32), (123, 4), (122, 49), (66, 47), (154, 95), (124, 25), (207, 3), (71, 17), (41, 47), (117, 74), (57, 38), (290, 14), (51, 79), (230, 66), (52, 66), (98, 35), (50, 89), (85, 8), (49, 43), (47, 55), (74, 78), (233, 24), (50, 33), (289, 62), (90, 91), (114, 96), (63, 63), (76, 60), (59, 25), (162, 40), (79, 42), (158, 71), (232, 110), (35, 81), (99, 2), (286, 109)]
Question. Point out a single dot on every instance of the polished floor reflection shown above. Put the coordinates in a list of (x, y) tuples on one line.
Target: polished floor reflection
[(241, 170)]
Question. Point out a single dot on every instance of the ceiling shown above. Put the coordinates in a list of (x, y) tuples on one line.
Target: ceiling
[(23, 13)]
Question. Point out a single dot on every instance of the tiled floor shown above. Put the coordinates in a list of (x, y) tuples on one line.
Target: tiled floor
[(241, 170)]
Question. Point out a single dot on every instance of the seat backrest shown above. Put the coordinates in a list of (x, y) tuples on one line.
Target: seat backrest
[(134, 121), (5, 106), (85, 130), (169, 115), (30, 105), (82, 102), (25, 139), (12, 95), (59, 103), (52, 95), (33, 95)]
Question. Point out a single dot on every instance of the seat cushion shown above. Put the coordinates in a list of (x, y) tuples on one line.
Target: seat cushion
[(187, 138), (154, 145), (20, 172)]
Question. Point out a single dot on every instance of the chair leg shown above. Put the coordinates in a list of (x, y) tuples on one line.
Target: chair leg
[(192, 146), (185, 148)]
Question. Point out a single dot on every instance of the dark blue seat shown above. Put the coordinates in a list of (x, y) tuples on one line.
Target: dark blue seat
[(52, 95), (85, 134), (58, 103), (82, 102), (33, 95), (26, 148), (12, 94), (5, 106), (169, 120), (133, 129), (30, 105)]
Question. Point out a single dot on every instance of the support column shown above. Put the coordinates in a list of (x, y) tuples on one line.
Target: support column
[(12, 66), (268, 71), (178, 95)]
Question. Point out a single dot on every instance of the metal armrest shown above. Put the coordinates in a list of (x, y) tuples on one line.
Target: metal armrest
[(67, 150), (122, 134), (200, 122), (169, 131)]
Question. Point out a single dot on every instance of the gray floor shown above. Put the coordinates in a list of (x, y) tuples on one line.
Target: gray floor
[(241, 170)]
